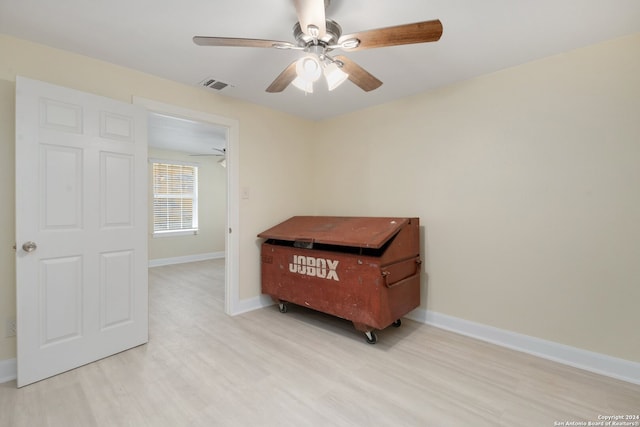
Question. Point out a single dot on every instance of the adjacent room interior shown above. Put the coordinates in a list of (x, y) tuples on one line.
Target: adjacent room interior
[(183, 141)]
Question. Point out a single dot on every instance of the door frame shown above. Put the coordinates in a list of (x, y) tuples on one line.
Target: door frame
[(232, 239)]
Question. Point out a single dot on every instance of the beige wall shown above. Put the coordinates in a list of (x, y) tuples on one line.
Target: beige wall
[(527, 182), (212, 210), (270, 150)]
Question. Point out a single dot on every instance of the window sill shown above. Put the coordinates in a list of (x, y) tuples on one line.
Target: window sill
[(177, 233)]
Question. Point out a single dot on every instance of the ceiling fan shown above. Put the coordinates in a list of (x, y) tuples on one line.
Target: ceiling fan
[(218, 152), (317, 36)]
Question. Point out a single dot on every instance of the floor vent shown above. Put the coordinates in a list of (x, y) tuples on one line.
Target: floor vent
[(213, 84)]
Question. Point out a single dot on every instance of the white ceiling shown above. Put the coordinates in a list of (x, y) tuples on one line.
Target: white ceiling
[(155, 36), (188, 136)]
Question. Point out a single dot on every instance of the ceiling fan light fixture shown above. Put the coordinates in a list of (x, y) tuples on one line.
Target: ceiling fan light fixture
[(308, 68), (334, 76), (303, 85)]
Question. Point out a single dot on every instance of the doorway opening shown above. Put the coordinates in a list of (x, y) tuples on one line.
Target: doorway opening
[(212, 142)]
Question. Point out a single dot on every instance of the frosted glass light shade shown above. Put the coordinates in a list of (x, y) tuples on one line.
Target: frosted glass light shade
[(334, 75), (308, 68), (302, 84)]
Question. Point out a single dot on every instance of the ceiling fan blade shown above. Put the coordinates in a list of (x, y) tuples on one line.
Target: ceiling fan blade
[(311, 12), (236, 42), (358, 75), (206, 155), (419, 32), (284, 79), (219, 152)]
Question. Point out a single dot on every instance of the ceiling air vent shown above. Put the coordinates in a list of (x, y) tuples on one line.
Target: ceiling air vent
[(213, 84)]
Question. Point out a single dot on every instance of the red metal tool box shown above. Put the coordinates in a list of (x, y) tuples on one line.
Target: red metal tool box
[(363, 269)]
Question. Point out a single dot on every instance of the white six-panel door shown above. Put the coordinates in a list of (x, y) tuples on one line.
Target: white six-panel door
[(81, 228)]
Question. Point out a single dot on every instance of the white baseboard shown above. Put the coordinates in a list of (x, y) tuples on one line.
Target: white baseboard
[(183, 259), (590, 361), (8, 370)]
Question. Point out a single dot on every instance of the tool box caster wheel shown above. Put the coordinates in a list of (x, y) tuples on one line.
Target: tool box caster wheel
[(283, 307), (371, 337), (397, 323)]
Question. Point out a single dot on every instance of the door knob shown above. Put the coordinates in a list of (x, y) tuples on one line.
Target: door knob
[(29, 246)]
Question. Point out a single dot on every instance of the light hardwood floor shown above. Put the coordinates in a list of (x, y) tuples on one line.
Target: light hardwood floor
[(302, 368)]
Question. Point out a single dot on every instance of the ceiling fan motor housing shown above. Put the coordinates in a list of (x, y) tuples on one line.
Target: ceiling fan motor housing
[(333, 33)]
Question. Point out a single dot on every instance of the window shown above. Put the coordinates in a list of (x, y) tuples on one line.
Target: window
[(175, 198)]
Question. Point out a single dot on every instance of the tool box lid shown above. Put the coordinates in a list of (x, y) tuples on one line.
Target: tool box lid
[(362, 232)]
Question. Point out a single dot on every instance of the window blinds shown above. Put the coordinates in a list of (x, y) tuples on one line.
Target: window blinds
[(175, 188)]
